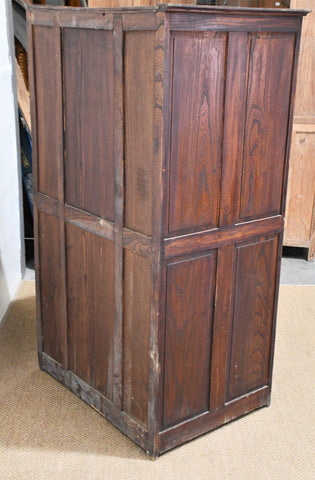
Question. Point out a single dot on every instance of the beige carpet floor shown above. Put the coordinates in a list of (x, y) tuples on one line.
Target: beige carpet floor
[(48, 433)]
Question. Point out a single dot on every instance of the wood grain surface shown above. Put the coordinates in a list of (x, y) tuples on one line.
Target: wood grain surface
[(89, 164), (90, 262), (254, 289), (266, 128), (188, 332), (160, 147), (197, 114)]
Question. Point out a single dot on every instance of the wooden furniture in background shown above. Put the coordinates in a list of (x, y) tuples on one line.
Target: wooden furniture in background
[(159, 208), (300, 210)]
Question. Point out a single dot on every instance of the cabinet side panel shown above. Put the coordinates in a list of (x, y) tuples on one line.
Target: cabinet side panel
[(51, 286), (188, 332), (197, 109), (47, 102), (91, 309), (89, 119), (139, 105), (300, 203), (255, 283), (268, 102), (137, 297)]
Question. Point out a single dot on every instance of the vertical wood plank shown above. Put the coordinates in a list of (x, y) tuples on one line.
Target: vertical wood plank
[(188, 338), (119, 205), (139, 85), (251, 336), (61, 189), (89, 118), (52, 181), (158, 205), (234, 124), (91, 308), (136, 328), (267, 120), (46, 82), (197, 121), (221, 326), (51, 284)]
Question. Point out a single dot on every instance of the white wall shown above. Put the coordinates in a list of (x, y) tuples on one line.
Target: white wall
[(10, 227)]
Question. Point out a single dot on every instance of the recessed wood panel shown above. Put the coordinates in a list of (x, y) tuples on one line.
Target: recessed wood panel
[(234, 124), (139, 95), (188, 332), (89, 120), (197, 102), (268, 102), (301, 192), (52, 290), (254, 296), (136, 330), (91, 308), (48, 121)]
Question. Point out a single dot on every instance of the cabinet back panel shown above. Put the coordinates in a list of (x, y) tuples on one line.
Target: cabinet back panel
[(91, 308), (46, 74), (197, 115), (52, 319), (89, 120), (136, 330), (139, 95)]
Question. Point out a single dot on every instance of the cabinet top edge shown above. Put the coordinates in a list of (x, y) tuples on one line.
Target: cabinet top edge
[(164, 7)]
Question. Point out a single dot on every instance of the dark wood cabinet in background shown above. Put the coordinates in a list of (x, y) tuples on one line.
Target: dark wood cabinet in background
[(161, 143)]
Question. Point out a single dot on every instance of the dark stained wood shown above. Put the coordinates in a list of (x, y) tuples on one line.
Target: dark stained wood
[(197, 114), (160, 126), (254, 287), (189, 310), (159, 218), (137, 275), (234, 124), (45, 45), (139, 84), (52, 287), (91, 305), (221, 326), (268, 103), (234, 23), (209, 239), (119, 206), (137, 242), (206, 422), (88, 105)]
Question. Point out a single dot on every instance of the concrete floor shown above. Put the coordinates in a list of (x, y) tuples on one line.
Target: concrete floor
[(295, 269)]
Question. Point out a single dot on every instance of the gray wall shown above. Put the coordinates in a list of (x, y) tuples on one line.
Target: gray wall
[(10, 209)]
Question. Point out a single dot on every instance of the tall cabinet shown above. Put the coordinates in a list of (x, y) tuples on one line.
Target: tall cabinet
[(161, 145), (300, 211)]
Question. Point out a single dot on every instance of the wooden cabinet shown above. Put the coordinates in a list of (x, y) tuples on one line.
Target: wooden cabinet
[(160, 140), (300, 210)]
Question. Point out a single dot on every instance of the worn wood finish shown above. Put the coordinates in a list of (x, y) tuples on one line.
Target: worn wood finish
[(139, 84), (91, 307), (90, 188), (160, 217), (136, 335)]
